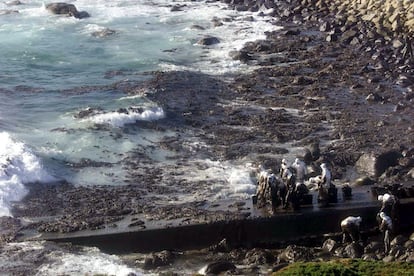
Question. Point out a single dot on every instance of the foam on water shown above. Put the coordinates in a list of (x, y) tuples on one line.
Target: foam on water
[(119, 119), (18, 165), (228, 180), (60, 261), (233, 35), (89, 262), (241, 184)]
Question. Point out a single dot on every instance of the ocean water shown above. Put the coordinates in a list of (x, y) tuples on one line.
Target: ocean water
[(45, 58)]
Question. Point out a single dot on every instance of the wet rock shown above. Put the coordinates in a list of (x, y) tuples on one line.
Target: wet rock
[(370, 257), (241, 8), (219, 267), (404, 80), (399, 240), (87, 112), (354, 250), (346, 191), (410, 257), (159, 259), (137, 223), (197, 27), (208, 40), (325, 26), (294, 253), (348, 36), (81, 15), (303, 80), (364, 181), (259, 257), (66, 9), (374, 97), (217, 22), (374, 247), (397, 251), (9, 227), (104, 33), (330, 245), (61, 8), (315, 151), (374, 164), (243, 56), (331, 38), (340, 252), (176, 8), (409, 244), (222, 246), (411, 173), (388, 259), (292, 32)]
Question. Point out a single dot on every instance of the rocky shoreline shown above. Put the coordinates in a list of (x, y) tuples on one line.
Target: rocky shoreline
[(346, 66)]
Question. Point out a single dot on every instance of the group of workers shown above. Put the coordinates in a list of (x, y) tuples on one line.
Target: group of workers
[(289, 189), (387, 219)]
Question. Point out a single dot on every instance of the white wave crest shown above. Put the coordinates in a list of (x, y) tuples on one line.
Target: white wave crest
[(89, 262), (120, 119), (60, 260), (18, 165), (241, 182)]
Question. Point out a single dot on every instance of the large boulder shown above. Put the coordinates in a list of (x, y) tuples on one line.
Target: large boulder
[(105, 32), (295, 253), (330, 245), (354, 250), (374, 164), (158, 259), (399, 240), (374, 247), (219, 267), (208, 40), (259, 257), (66, 9)]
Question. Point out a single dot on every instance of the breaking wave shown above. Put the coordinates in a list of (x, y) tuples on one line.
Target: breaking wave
[(18, 166), (130, 116)]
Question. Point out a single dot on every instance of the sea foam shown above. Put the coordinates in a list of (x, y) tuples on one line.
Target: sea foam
[(89, 262), (18, 165), (120, 119), (60, 260)]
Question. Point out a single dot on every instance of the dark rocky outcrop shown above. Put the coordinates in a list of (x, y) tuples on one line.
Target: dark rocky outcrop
[(66, 9), (330, 245), (354, 250), (219, 267), (103, 33), (295, 253), (162, 258), (375, 164), (208, 40)]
